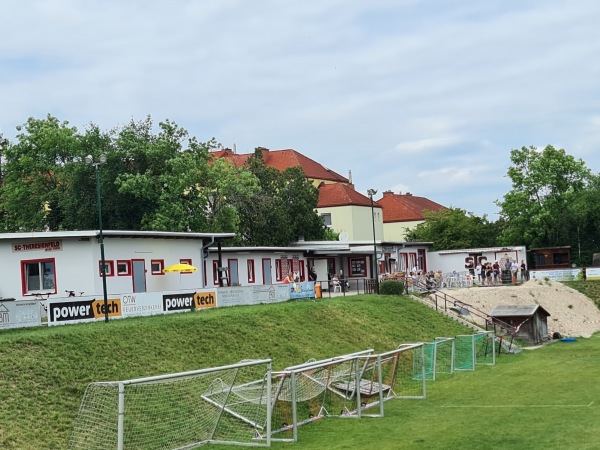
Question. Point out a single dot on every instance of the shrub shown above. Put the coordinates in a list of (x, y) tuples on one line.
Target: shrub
[(391, 287)]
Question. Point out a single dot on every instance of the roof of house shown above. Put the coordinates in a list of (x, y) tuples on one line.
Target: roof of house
[(517, 310), (405, 207), (284, 159), (338, 194)]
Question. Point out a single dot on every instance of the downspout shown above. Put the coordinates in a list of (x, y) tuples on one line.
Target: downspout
[(202, 259)]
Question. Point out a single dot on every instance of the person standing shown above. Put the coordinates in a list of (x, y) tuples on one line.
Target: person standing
[(523, 270), (514, 269), (478, 271), (496, 269)]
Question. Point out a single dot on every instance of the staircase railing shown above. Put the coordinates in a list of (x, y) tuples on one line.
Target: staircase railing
[(443, 300)]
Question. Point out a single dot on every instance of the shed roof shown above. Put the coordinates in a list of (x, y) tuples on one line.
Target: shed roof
[(517, 310)]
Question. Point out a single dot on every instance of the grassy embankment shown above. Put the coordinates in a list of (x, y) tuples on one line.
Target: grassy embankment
[(44, 371)]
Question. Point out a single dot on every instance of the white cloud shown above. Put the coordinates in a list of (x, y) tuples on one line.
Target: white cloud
[(409, 95)]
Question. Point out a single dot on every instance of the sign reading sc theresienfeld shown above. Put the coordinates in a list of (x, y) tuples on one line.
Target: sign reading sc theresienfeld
[(186, 301)]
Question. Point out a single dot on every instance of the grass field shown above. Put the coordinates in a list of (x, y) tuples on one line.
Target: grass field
[(547, 398)]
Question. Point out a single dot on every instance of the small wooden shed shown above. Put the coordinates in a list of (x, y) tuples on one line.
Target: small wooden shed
[(531, 321)]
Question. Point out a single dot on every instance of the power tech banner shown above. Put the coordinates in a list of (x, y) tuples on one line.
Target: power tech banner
[(82, 310), (186, 301)]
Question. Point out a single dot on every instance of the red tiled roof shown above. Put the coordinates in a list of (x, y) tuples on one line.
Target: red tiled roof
[(338, 194), (284, 159), (405, 207)]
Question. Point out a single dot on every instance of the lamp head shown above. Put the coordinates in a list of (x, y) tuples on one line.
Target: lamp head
[(88, 159), (371, 192)]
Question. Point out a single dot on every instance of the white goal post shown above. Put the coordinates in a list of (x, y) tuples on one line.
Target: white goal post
[(228, 404)]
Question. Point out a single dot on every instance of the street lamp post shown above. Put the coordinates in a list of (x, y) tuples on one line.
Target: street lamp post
[(89, 160), (371, 193)]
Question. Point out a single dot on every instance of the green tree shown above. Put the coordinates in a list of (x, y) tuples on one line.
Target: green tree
[(454, 228), (584, 230), (31, 189), (543, 183), (282, 210)]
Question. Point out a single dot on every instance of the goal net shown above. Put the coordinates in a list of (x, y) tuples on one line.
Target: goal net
[(485, 348), (474, 349), (313, 390), (227, 404), (397, 373), (439, 357)]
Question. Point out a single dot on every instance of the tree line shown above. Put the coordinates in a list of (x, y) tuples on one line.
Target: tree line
[(169, 181), (554, 201), (160, 181)]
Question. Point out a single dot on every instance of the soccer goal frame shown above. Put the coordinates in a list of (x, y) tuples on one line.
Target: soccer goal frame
[(398, 373), (474, 349), (439, 357), (311, 391), (224, 405)]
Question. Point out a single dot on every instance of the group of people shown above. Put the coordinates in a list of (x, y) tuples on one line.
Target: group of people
[(294, 277), (491, 273)]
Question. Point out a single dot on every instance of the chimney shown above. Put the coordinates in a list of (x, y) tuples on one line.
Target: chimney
[(350, 177), (386, 193), (234, 149)]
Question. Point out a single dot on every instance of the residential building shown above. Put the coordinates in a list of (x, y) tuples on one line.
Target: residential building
[(403, 212)]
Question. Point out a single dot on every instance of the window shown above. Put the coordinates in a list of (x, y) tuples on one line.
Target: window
[(358, 267), (250, 264), (123, 268), (157, 266), (109, 268), (38, 276), (185, 261), (326, 219)]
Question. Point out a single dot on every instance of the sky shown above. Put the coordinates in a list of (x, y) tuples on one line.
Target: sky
[(420, 96)]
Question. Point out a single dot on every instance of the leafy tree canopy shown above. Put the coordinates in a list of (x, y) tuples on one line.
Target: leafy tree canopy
[(543, 183), (166, 181), (454, 228)]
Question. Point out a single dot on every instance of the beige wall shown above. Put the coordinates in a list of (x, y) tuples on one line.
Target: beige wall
[(396, 231), (356, 221)]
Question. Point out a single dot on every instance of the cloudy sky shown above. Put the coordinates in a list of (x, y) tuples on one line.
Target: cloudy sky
[(420, 96)]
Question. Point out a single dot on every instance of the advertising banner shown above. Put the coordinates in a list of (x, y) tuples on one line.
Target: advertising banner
[(592, 273), (21, 313), (270, 293), (82, 309), (188, 301), (142, 304), (555, 275), (305, 289), (234, 296)]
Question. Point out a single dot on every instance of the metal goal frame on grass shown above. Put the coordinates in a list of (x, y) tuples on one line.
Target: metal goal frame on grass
[(227, 404)]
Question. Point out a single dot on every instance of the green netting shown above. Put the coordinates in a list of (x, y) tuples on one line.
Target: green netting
[(464, 352), (485, 350)]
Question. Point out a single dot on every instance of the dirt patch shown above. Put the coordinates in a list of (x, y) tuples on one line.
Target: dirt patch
[(571, 312)]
